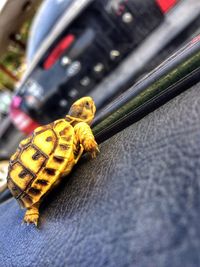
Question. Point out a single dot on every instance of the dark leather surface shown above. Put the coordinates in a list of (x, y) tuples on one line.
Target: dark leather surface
[(137, 204)]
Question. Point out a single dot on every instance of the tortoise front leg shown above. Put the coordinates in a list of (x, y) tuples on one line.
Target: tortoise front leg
[(86, 138), (32, 214)]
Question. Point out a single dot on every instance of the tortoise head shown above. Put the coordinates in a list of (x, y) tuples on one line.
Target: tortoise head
[(83, 110)]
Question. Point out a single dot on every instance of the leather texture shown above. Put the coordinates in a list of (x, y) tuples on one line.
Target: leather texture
[(136, 204)]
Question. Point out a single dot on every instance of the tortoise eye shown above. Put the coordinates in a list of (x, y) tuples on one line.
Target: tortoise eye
[(87, 104)]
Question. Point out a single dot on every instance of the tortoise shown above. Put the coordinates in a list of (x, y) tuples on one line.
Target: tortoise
[(44, 158)]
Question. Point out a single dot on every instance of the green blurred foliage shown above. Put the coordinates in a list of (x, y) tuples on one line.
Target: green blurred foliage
[(14, 59)]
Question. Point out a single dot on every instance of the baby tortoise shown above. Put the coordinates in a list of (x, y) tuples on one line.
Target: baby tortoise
[(42, 159)]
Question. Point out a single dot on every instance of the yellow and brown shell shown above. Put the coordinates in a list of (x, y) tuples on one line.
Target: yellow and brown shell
[(40, 161)]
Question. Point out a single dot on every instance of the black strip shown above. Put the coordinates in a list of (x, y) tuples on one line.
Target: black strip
[(149, 106), (171, 63)]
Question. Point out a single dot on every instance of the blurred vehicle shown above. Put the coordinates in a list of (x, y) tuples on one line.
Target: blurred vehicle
[(6, 126), (5, 100), (76, 45), (10, 136)]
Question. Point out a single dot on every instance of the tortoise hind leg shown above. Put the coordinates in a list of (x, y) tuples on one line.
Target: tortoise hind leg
[(32, 214)]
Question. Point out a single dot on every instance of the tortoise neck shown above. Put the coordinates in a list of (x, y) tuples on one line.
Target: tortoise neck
[(73, 121)]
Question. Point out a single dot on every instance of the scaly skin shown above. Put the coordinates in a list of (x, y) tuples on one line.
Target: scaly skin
[(86, 138), (32, 214)]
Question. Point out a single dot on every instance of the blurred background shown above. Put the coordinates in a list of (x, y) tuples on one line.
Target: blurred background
[(55, 51)]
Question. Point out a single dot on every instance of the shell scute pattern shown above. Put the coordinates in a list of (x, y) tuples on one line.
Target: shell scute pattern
[(39, 161), (33, 155), (20, 175), (45, 141)]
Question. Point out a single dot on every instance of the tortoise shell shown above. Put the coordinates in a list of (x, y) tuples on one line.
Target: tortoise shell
[(40, 161)]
